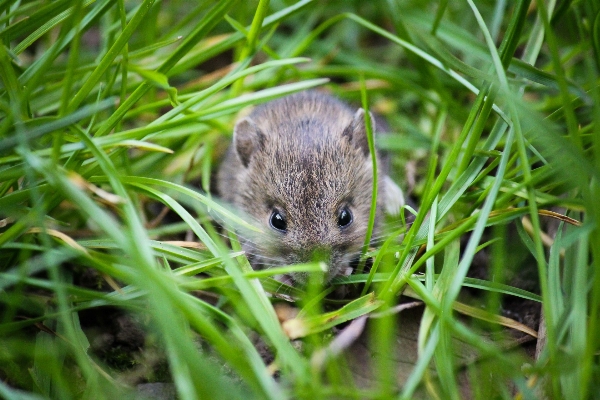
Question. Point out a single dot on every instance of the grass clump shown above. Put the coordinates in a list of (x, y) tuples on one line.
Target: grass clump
[(114, 114)]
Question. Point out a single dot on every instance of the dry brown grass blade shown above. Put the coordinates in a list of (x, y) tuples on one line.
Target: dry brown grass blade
[(489, 317), (186, 244), (69, 241)]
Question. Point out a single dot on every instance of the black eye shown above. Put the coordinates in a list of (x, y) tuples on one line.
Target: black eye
[(344, 218), (278, 221)]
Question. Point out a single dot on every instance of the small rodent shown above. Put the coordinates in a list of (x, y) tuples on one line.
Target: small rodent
[(300, 167)]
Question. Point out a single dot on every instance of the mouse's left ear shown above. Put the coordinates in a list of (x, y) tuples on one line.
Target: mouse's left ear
[(356, 132), (247, 139)]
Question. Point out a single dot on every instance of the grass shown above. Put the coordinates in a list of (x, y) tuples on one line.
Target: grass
[(114, 114)]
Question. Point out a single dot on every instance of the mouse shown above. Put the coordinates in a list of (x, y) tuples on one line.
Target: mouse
[(300, 168)]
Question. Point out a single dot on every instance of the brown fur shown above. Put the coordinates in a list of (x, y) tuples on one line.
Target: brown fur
[(307, 156)]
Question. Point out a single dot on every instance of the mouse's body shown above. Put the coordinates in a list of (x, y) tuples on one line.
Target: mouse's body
[(300, 167)]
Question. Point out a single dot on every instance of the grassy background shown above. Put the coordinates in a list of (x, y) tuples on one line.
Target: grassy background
[(114, 112)]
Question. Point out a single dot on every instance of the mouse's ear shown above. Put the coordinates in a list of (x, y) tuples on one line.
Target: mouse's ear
[(356, 132), (247, 139)]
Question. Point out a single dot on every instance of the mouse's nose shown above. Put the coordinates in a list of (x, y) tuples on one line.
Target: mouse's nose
[(314, 253)]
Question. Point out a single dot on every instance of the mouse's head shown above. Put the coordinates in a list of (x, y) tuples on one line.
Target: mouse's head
[(308, 182)]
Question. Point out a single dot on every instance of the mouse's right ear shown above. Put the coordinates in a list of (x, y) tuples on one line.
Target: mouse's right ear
[(356, 132), (247, 139)]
